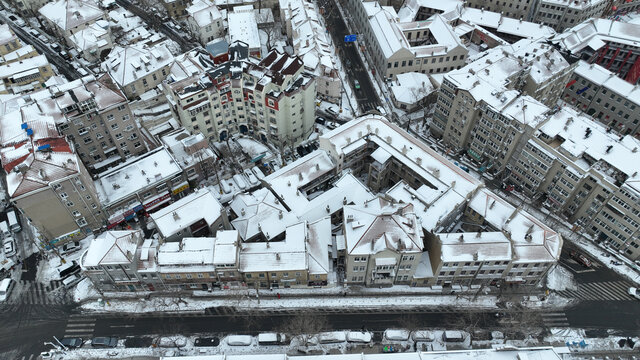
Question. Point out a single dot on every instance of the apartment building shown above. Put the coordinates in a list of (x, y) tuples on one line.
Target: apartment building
[(193, 154), (564, 14), (9, 42), (607, 98), (198, 214), (141, 185), (124, 261), (24, 76), (94, 114), (395, 46), (442, 197), (176, 9), (46, 180), (612, 44), (272, 100), (517, 81), (243, 27), (205, 21), (137, 68), (25, 52), (585, 173), (303, 26), (383, 241), (517, 9), (67, 17)]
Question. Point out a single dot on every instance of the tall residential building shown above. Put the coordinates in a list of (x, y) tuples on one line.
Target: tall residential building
[(600, 93), (399, 45), (564, 14), (94, 114), (273, 99), (46, 180), (612, 44), (515, 80)]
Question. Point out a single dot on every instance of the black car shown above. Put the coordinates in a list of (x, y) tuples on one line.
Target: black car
[(300, 151), (107, 342), (71, 269), (71, 343), (320, 120)]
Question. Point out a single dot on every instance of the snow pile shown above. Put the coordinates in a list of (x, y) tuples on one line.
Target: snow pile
[(560, 279), (577, 341), (396, 335)]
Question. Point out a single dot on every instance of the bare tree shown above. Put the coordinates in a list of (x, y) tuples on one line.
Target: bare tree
[(305, 326)]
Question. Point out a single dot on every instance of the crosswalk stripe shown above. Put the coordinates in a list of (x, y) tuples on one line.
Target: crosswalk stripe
[(83, 324), (77, 330), (599, 291)]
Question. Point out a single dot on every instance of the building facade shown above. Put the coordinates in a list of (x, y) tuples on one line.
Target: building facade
[(562, 14), (205, 21)]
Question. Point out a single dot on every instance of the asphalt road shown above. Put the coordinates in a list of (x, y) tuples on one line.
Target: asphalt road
[(366, 96), (64, 66)]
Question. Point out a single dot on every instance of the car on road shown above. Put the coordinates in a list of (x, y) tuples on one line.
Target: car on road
[(5, 288), (55, 47), (105, 342), (33, 32), (72, 343), (320, 120), (634, 292), (71, 280), (356, 84), (70, 247), (43, 38), (9, 247), (581, 259)]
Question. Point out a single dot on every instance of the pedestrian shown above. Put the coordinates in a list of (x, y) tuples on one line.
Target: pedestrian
[(278, 295), (344, 294)]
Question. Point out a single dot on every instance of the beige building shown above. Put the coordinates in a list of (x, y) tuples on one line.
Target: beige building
[(9, 42), (67, 17), (383, 242), (94, 114), (610, 100), (137, 68), (564, 14), (176, 9), (482, 108), (397, 45), (272, 100), (25, 76), (46, 180), (205, 20), (586, 174)]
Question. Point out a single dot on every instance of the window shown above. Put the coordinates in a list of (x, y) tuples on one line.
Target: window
[(76, 213), (114, 127), (178, 276), (69, 203), (63, 195), (248, 276), (189, 276), (125, 118), (110, 117)]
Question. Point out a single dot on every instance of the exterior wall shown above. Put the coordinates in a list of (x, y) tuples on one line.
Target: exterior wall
[(176, 8), (618, 222), (561, 16), (294, 277), (604, 104), (511, 8), (145, 83), (207, 33), (11, 45), (43, 74), (110, 133)]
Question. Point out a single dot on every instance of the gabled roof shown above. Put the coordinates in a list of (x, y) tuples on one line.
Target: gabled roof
[(67, 14), (112, 248), (127, 64), (380, 225)]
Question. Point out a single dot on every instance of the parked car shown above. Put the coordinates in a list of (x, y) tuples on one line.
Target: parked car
[(320, 120), (105, 342), (9, 247), (356, 84), (71, 269), (55, 47), (581, 259), (72, 343), (43, 38), (634, 292), (70, 248), (6, 286), (71, 280)]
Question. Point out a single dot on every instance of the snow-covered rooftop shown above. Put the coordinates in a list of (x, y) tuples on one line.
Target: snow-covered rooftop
[(226, 248), (24, 65), (289, 254), (132, 176), (260, 212), (204, 12), (92, 37), (112, 248), (188, 149), (188, 252), (379, 225), (483, 246), (127, 64), (200, 205), (594, 33), (243, 26), (505, 25), (410, 88), (68, 14), (6, 34), (603, 77)]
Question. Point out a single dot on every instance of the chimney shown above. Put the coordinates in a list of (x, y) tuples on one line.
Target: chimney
[(328, 209), (242, 211), (176, 216), (280, 215), (461, 238), (277, 256), (344, 201)]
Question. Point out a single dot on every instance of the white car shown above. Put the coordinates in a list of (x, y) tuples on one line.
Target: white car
[(634, 292), (9, 247)]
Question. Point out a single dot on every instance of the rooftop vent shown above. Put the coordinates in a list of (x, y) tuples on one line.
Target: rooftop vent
[(176, 216)]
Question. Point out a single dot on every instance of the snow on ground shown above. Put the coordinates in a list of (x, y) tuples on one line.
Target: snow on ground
[(577, 341), (49, 267), (560, 279), (252, 147)]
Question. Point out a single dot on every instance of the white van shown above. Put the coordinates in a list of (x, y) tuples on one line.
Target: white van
[(5, 289), (14, 225), (4, 230)]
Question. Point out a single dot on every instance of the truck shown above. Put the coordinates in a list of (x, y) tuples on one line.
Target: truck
[(12, 219)]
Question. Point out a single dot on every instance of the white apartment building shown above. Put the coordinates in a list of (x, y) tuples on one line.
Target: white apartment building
[(67, 17), (205, 20), (273, 99), (138, 69), (313, 44), (604, 96), (471, 98), (564, 14), (409, 45)]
